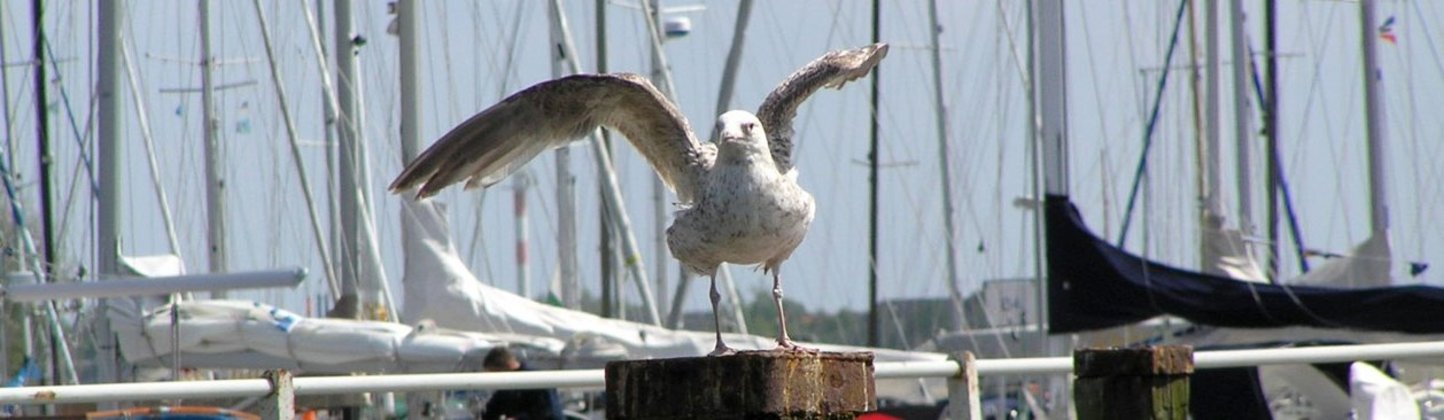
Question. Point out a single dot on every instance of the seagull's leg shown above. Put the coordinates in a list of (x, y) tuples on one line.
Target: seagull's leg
[(783, 341), (721, 349)]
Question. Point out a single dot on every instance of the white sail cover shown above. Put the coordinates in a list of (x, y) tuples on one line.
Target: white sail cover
[(440, 288), (458, 319), (229, 334), (1366, 266), (1225, 253), (1375, 395)]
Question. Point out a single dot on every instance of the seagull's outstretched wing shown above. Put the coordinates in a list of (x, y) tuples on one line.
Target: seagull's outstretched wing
[(831, 70), (496, 142)]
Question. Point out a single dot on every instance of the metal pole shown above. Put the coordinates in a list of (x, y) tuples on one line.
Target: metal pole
[(333, 152), (109, 142), (346, 149), (10, 145), (734, 58), (523, 267), (1272, 129), (612, 197), (944, 168), (42, 136), (566, 181), (409, 38), (1052, 96), (660, 254), (408, 34), (1375, 121), (1243, 117), (872, 160), (42, 132), (608, 238), (215, 163), (1211, 219)]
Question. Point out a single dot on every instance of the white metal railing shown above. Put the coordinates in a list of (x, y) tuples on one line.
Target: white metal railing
[(238, 388)]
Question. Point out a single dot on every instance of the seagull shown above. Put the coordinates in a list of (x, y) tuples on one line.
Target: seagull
[(738, 195)]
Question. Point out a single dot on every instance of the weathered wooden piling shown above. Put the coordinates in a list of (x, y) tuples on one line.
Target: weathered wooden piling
[(1132, 383), (748, 385)]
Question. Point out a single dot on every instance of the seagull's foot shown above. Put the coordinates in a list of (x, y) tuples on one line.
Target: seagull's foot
[(722, 350), (789, 345)]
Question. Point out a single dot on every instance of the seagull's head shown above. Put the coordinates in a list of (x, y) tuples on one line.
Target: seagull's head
[(740, 132)]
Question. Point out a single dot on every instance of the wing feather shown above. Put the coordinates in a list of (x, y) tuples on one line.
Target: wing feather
[(487, 147), (833, 69)]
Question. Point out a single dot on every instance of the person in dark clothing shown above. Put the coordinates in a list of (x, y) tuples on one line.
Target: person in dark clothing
[(520, 404)]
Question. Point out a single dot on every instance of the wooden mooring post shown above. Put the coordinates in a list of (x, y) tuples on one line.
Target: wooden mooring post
[(1132, 383), (281, 403), (747, 385), (964, 398)]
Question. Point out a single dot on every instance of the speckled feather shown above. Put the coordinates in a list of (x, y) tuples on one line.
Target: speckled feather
[(833, 70), (741, 201), (487, 147)]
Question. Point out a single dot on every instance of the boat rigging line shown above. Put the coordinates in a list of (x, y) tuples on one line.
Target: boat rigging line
[(1148, 130)]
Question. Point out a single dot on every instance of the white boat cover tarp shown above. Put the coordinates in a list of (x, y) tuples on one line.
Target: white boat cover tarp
[(1375, 395), (228, 334), (440, 288), (458, 320), (1366, 266)]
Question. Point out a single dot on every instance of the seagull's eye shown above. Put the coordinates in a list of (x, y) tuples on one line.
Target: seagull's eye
[(748, 127)]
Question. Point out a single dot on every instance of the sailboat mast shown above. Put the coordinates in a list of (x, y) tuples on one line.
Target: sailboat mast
[(612, 198), (734, 57), (42, 136), (872, 167), (1374, 121), (348, 190), (566, 180), (1211, 213), (109, 143), (410, 117), (1049, 125), (42, 132), (1052, 96), (1243, 117), (215, 175), (660, 254), (941, 108), (1271, 124), (608, 238)]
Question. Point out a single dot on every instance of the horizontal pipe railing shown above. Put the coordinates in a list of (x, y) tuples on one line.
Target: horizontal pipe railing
[(327, 385)]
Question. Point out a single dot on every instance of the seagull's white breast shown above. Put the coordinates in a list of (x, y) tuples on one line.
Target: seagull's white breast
[(747, 214)]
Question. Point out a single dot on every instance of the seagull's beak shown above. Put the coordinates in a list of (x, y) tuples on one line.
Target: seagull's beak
[(731, 133)]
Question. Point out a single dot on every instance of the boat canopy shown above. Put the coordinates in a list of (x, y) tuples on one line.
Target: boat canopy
[(1094, 285)]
